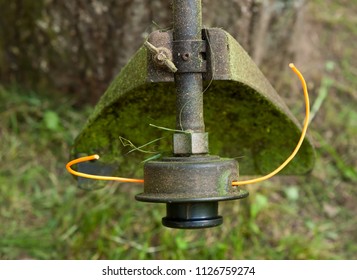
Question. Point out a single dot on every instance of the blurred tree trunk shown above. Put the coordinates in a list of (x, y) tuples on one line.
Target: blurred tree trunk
[(77, 47)]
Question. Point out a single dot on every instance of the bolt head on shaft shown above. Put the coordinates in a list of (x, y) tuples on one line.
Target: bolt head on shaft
[(190, 143)]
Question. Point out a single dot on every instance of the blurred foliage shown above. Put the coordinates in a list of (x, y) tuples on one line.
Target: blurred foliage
[(22, 44), (73, 47), (77, 47)]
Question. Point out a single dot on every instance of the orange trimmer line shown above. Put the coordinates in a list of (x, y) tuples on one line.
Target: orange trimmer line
[(303, 133), (97, 177), (235, 183)]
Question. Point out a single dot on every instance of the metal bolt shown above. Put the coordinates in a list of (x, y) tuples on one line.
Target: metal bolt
[(186, 56), (162, 56), (190, 143)]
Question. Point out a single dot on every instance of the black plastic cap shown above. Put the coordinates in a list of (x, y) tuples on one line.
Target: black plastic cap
[(192, 215)]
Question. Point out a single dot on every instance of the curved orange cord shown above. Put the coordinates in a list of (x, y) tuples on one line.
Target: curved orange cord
[(97, 177), (303, 133)]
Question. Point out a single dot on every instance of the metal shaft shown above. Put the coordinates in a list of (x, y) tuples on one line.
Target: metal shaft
[(187, 15)]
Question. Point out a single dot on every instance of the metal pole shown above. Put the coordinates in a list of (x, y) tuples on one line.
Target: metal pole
[(191, 182), (187, 18)]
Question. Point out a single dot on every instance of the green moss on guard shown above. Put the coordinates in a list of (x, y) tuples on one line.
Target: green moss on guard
[(245, 118)]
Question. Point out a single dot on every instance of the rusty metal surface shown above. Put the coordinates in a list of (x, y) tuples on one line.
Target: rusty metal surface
[(189, 56), (190, 185), (187, 20), (215, 54), (157, 73), (182, 179), (190, 143)]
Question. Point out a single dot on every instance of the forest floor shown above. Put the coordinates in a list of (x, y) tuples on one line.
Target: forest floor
[(43, 215)]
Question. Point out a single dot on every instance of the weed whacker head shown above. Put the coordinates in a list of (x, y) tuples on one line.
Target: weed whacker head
[(244, 115)]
